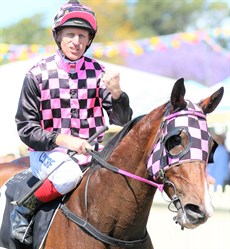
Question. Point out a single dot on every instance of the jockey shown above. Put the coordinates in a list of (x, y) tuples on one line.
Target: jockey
[(60, 107)]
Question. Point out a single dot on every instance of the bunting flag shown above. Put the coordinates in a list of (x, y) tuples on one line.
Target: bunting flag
[(12, 52)]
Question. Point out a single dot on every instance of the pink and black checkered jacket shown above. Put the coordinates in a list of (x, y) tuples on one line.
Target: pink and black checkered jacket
[(59, 97)]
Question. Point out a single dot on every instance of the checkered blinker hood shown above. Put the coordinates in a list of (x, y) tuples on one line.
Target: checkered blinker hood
[(183, 137)]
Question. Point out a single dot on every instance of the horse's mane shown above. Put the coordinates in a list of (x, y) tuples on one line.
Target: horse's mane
[(113, 142)]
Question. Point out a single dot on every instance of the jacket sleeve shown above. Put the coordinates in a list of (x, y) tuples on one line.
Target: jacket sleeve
[(28, 118), (118, 110)]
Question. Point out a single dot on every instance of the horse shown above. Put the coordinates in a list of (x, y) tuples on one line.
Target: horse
[(166, 150)]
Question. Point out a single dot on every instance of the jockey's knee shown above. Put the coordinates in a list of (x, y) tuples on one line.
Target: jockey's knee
[(66, 178)]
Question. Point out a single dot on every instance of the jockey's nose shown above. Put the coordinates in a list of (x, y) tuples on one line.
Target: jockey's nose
[(76, 40)]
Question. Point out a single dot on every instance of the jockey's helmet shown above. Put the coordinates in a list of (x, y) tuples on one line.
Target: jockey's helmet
[(74, 14)]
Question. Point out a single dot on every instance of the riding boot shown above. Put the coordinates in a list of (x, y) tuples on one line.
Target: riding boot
[(20, 220)]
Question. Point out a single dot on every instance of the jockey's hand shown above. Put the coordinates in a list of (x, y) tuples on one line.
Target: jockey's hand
[(73, 143), (111, 80)]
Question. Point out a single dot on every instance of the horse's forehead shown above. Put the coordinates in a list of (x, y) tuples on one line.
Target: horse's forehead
[(192, 106)]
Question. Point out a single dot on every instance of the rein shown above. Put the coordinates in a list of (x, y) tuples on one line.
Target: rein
[(123, 172)]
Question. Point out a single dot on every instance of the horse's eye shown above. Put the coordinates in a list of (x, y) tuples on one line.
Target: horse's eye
[(177, 143), (172, 144)]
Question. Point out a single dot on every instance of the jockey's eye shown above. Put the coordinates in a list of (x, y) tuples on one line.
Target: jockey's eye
[(177, 143)]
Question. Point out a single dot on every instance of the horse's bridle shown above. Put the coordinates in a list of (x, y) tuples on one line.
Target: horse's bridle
[(162, 159), (192, 122)]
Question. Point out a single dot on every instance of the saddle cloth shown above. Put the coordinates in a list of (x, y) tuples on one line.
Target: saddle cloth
[(14, 189)]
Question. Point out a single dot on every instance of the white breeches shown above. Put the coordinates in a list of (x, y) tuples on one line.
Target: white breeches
[(68, 173)]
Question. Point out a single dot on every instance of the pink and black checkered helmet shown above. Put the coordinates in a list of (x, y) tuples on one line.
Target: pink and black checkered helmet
[(74, 14)]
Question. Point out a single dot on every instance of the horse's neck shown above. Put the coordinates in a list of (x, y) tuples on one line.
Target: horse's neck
[(114, 202), (131, 153)]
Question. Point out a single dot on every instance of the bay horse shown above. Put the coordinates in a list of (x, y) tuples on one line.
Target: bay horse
[(166, 150)]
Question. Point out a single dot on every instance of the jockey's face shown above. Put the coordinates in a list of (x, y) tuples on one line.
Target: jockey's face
[(73, 42)]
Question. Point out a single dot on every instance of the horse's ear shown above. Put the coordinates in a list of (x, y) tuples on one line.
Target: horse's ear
[(177, 95), (209, 104)]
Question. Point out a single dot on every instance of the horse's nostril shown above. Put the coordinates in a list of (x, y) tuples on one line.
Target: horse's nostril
[(194, 212), (192, 207)]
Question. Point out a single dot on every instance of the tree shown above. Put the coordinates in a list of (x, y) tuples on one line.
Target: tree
[(158, 17), (114, 23), (28, 31), (120, 20)]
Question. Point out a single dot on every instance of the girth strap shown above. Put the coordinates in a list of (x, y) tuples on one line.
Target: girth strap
[(99, 235)]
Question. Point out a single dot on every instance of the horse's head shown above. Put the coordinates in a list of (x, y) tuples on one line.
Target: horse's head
[(179, 158)]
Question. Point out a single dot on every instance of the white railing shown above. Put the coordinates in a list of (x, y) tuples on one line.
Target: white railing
[(220, 199)]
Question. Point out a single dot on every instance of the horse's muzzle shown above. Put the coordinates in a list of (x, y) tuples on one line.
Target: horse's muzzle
[(190, 216)]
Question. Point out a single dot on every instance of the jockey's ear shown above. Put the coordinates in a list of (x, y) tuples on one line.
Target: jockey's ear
[(177, 96)]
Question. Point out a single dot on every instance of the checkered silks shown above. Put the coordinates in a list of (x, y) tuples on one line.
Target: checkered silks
[(71, 105), (193, 121)]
